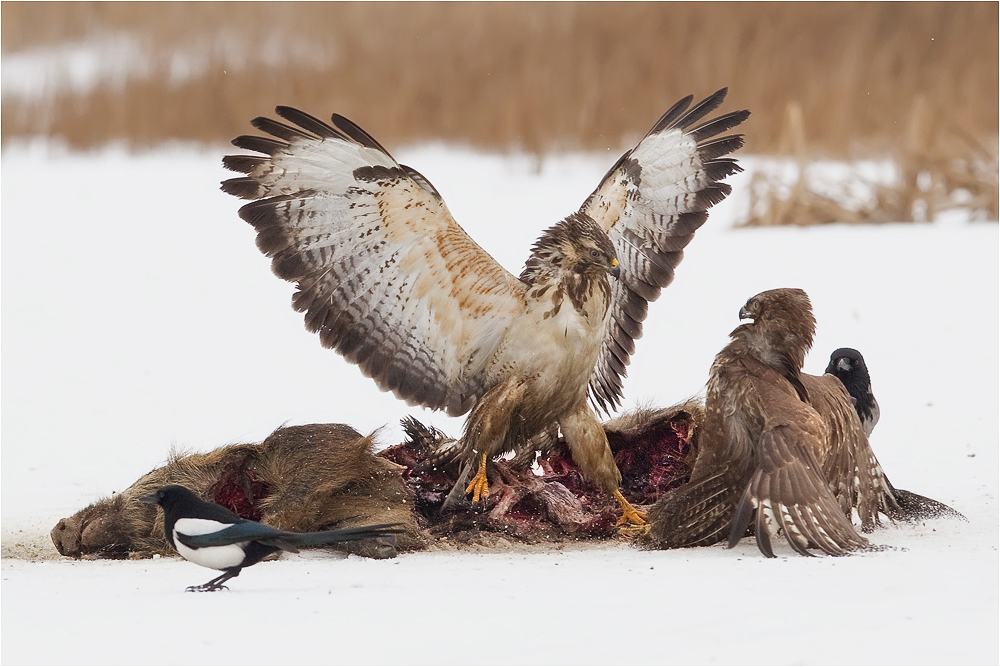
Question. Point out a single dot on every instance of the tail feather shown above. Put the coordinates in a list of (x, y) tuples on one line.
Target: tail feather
[(337, 535), (913, 507)]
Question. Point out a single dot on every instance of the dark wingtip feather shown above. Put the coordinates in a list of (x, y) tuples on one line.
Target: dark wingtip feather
[(719, 168), (718, 125), (263, 212), (355, 132), (713, 194), (700, 110), (259, 144), (242, 164), (741, 519), (672, 114), (709, 150), (244, 188), (307, 122), (280, 130)]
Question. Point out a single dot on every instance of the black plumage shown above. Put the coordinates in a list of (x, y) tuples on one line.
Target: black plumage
[(212, 536), (849, 367)]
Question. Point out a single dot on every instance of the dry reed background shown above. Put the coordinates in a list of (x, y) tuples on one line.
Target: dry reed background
[(912, 79)]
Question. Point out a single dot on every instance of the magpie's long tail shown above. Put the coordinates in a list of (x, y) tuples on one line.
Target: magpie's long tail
[(341, 535)]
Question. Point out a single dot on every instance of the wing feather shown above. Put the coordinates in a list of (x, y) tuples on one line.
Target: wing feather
[(788, 485), (309, 123), (650, 204), (384, 273), (280, 130), (856, 477)]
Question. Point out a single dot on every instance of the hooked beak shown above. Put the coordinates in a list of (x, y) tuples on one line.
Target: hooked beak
[(616, 270), (745, 314)]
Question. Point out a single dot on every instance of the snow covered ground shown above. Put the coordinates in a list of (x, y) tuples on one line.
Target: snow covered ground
[(138, 316)]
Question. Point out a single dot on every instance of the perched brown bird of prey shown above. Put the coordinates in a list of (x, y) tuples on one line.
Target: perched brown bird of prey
[(387, 277), (777, 444)]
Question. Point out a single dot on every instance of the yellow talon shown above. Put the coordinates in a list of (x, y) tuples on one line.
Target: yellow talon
[(630, 515), (479, 486)]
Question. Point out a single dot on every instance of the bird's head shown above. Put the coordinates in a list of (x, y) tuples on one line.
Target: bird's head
[(167, 496), (576, 245), (781, 330), (847, 363), (786, 314)]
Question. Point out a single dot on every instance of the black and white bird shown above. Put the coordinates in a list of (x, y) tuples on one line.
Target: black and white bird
[(211, 536), (849, 366)]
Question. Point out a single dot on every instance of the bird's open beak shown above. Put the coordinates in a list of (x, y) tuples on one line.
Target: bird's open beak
[(149, 500), (616, 270)]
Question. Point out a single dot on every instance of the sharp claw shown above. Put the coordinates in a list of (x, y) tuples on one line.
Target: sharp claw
[(634, 518), (479, 487), (630, 514)]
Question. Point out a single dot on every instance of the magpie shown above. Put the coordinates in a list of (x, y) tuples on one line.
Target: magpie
[(849, 366), (211, 536)]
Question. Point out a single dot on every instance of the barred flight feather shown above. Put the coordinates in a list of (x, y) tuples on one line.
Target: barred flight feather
[(650, 204), (388, 278)]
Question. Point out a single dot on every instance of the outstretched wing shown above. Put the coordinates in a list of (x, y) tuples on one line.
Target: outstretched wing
[(650, 204), (384, 273)]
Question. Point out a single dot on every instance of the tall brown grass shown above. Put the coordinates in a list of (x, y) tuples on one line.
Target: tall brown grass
[(536, 76)]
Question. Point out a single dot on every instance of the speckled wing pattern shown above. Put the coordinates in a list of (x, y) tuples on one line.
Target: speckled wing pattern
[(788, 488), (384, 273), (856, 477), (650, 204)]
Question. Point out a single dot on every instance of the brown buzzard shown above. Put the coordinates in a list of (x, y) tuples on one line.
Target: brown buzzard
[(387, 277), (777, 444)]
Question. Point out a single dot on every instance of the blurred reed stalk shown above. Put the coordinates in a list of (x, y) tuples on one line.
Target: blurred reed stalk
[(917, 81)]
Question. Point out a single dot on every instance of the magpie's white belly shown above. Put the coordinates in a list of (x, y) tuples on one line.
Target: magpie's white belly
[(217, 558)]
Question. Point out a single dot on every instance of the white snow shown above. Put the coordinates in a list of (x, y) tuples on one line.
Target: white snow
[(139, 316)]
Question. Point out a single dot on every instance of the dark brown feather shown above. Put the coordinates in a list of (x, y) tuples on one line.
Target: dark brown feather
[(308, 123), (769, 444), (279, 130), (264, 145)]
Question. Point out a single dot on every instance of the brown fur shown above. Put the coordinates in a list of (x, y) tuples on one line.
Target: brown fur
[(301, 478)]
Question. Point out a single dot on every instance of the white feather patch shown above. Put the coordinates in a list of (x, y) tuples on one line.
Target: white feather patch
[(217, 558)]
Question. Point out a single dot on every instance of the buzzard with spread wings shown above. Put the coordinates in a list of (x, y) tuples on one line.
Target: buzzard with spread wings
[(387, 277)]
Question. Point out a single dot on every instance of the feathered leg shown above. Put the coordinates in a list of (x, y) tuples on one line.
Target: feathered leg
[(588, 444), (485, 436)]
